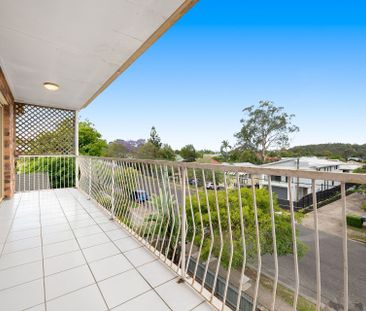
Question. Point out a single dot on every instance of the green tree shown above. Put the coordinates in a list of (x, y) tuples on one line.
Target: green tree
[(155, 138), (265, 127), (147, 151), (189, 153), (282, 224), (116, 150), (167, 153), (90, 140), (224, 149), (246, 155)]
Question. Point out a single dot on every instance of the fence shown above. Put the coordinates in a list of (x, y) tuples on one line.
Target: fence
[(211, 237), (214, 239), (322, 197)]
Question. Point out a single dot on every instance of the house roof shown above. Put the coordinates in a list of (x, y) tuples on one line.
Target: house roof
[(80, 45), (304, 163)]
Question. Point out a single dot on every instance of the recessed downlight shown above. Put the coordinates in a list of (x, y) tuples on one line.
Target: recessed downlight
[(51, 86)]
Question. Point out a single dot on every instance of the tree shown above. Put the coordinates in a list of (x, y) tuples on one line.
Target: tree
[(167, 153), (116, 150), (225, 147), (147, 151), (188, 153), (90, 140), (265, 127), (216, 202), (155, 138), (246, 155)]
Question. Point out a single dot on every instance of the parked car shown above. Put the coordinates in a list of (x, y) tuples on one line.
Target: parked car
[(139, 196), (210, 186), (194, 181)]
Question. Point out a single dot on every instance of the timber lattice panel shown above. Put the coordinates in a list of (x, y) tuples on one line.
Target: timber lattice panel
[(44, 130)]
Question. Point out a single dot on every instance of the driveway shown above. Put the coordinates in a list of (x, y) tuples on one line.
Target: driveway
[(330, 216)]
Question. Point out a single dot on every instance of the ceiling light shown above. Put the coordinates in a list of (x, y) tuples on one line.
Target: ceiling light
[(51, 86)]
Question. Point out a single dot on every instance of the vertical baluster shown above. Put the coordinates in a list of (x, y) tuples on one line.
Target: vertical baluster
[(183, 227), (345, 246), (231, 241), (259, 258), (317, 248), (274, 243), (243, 244), (113, 190), (294, 244)]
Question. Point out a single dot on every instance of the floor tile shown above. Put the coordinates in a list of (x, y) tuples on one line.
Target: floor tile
[(123, 287), (22, 245), (156, 273), (19, 235), (22, 297), (93, 229), (140, 256), (100, 251), (204, 307), (110, 266), (188, 299), (20, 274), (92, 240), (88, 299), (67, 281), (60, 248), (109, 226), (19, 258), (40, 307), (82, 223), (63, 262), (55, 228), (127, 244), (148, 301), (55, 237), (117, 234)]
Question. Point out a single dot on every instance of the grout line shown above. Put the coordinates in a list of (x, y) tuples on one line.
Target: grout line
[(42, 253)]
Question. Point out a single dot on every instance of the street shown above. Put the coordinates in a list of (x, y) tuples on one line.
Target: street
[(331, 270)]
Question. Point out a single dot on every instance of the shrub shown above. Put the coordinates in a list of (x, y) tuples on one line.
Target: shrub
[(282, 223), (354, 221)]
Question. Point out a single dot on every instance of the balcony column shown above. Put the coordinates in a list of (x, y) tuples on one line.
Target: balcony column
[(76, 148)]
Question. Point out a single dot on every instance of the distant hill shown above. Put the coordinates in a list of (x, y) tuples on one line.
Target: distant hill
[(338, 150)]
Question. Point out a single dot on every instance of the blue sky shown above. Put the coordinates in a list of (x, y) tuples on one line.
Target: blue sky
[(307, 56)]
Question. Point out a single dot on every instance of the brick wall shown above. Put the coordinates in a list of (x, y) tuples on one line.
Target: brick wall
[(9, 138)]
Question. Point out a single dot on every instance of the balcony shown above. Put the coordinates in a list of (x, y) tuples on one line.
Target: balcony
[(61, 250), (131, 234), (86, 233)]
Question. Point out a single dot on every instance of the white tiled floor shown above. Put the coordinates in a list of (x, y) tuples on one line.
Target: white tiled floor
[(59, 251)]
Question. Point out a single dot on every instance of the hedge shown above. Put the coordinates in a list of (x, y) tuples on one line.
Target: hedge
[(354, 221)]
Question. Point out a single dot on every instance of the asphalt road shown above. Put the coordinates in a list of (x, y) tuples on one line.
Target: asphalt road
[(331, 270)]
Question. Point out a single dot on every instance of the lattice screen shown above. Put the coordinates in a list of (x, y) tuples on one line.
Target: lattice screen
[(43, 130)]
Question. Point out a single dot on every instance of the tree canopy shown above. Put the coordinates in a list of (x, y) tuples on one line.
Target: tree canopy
[(155, 138), (90, 140), (188, 153), (264, 127), (116, 150)]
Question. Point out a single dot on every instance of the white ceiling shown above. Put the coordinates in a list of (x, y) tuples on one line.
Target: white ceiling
[(78, 44)]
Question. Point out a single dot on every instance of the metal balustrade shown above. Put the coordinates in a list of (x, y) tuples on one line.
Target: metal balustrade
[(205, 224), (44, 172)]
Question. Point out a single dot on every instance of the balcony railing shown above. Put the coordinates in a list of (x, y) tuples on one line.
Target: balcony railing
[(205, 224)]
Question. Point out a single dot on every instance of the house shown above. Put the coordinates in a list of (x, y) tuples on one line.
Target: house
[(300, 187)]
